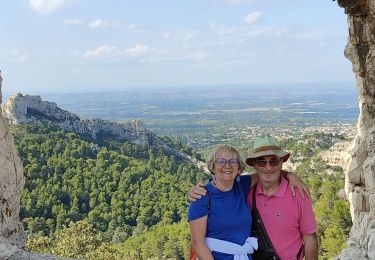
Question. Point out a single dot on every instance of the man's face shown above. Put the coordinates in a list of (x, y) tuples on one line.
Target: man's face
[(269, 168)]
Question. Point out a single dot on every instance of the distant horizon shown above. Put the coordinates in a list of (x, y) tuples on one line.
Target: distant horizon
[(270, 85)]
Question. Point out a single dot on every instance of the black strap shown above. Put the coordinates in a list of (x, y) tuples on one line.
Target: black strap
[(299, 253), (254, 200), (258, 218)]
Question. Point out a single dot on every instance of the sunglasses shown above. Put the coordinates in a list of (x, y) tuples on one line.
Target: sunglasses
[(273, 162), (222, 162)]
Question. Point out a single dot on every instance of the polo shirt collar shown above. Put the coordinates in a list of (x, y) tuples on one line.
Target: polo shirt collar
[(280, 191)]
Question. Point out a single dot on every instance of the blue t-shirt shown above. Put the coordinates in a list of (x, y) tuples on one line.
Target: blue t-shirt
[(229, 217)]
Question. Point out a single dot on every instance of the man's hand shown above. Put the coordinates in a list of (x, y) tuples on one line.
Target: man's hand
[(296, 182), (196, 192)]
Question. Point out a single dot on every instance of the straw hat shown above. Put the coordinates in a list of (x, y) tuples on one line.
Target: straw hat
[(266, 145)]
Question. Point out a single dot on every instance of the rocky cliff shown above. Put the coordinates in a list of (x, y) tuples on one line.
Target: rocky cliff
[(12, 236), (360, 171), (23, 109)]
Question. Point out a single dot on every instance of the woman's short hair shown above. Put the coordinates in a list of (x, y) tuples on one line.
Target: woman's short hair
[(220, 150)]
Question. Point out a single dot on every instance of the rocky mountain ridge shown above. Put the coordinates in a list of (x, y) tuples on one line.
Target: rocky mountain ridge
[(24, 109)]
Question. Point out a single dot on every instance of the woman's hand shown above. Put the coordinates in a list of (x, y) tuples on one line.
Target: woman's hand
[(196, 192), (296, 182), (198, 230)]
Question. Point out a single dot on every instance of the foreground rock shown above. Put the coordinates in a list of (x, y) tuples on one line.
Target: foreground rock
[(12, 236), (360, 171)]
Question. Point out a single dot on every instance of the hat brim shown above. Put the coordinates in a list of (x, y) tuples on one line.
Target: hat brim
[(279, 153)]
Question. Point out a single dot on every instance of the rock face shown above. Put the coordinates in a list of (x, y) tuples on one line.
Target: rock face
[(12, 236), (360, 171), (22, 109), (12, 181)]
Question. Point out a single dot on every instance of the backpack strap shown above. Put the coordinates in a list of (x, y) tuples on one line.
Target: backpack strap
[(299, 253), (254, 205)]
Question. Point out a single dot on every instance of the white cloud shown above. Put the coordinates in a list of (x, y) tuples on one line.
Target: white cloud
[(252, 17), (18, 55), (107, 51), (144, 54), (99, 23), (233, 2), (48, 6), (225, 30), (101, 51), (72, 21), (138, 50)]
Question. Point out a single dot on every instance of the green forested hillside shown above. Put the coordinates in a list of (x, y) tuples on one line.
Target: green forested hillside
[(117, 186), (108, 199)]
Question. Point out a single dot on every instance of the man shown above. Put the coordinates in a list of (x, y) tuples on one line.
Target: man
[(287, 216), (289, 219)]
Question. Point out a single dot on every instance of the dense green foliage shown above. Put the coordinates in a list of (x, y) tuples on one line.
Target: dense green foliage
[(81, 240), (171, 241), (116, 186), (107, 199)]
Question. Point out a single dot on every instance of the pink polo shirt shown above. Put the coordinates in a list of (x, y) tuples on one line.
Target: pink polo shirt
[(285, 217)]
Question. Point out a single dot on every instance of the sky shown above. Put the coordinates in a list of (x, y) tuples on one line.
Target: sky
[(64, 46)]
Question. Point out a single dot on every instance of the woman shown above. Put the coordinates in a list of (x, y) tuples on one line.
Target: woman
[(220, 222)]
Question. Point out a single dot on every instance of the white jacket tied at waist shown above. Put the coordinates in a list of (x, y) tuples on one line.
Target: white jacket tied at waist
[(239, 252)]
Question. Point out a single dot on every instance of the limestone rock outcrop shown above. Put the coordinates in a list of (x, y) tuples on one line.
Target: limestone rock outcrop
[(23, 109), (360, 171), (338, 154)]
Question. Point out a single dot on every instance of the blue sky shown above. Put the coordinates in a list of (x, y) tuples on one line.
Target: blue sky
[(52, 46)]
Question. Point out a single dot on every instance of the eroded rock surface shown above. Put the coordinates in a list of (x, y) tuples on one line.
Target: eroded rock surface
[(360, 171)]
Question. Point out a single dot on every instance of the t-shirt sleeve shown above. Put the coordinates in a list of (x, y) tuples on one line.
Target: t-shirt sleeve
[(245, 182), (198, 209), (307, 220)]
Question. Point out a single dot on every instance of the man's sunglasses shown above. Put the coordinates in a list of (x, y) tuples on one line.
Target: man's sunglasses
[(273, 162)]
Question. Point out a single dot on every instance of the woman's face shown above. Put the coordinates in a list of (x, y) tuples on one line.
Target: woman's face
[(226, 167)]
